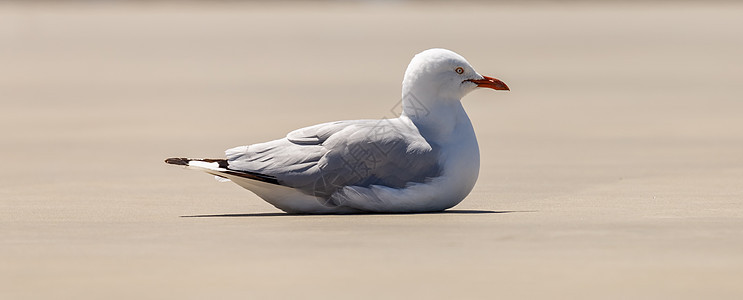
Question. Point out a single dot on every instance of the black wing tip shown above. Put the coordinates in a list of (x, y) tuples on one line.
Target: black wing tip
[(254, 176), (180, 161)]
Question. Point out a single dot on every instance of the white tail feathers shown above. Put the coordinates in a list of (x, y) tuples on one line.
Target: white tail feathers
[(221, 179), (204, 165)]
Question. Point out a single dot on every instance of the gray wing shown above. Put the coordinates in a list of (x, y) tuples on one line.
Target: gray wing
[(320, 159)]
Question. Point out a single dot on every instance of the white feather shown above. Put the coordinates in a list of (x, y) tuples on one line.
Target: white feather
[(221, 179), (204, 165)]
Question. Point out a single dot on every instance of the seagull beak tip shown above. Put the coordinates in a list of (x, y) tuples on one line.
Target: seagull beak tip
[(490, 82)]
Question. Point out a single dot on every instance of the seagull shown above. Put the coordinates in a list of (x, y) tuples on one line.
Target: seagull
[(425, 160)]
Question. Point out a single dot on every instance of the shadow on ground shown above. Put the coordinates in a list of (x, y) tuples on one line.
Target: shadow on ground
[(446, 212)]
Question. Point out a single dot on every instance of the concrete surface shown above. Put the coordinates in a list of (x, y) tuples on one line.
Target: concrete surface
[(613, 170)]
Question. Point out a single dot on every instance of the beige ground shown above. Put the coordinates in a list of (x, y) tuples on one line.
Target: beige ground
[(613, 170)]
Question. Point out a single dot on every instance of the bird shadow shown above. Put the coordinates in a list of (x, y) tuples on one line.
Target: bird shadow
[(446, 212)]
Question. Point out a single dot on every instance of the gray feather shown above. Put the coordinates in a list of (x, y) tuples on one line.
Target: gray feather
[(318, 160)]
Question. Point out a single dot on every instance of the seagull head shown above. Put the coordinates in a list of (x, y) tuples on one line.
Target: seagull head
[(443, 74)]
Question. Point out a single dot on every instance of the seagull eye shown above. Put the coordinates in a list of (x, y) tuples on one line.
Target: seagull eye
[(459, 70)]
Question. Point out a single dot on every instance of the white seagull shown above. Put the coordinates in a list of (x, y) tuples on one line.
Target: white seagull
[(426, 160)]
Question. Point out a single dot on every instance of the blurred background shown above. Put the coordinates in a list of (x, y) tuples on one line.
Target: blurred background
[(616, 159)]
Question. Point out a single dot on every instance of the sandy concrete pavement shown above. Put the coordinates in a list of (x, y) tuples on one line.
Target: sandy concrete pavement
[(613, 170)]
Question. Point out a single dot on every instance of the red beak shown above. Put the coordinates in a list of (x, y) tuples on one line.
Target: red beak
[(490, 82)]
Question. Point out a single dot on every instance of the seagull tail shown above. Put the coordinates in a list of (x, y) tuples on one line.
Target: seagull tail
[(219, 168), (197, 162)]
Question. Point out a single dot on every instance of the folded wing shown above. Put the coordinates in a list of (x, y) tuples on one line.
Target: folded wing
[(319, 160)]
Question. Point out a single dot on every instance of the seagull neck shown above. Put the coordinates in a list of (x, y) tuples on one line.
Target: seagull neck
[(435, 120)]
